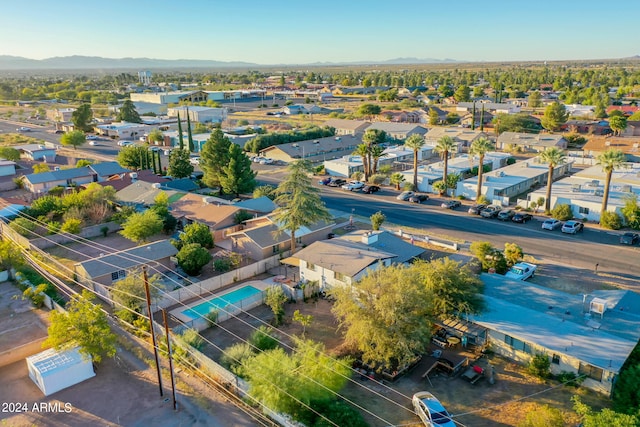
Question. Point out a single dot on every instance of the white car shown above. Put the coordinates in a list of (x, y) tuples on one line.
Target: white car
[(551, 224), (93, 142), (266, 161), (91, 137), (353, 185), (23, 129), (572, 227), (124, 143), (521, 271), (194, 160), (431, 411)]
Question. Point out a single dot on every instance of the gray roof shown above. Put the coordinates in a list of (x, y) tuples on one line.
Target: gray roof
[(262, 204), (268, 235), (348, 255), (108, 169), (141, 192), (33, 147), (329, 145), (557, 321), (183, 184), (541, 140), (63, 174), (353, 125), (392, 127), (458, 134), (124, 260)]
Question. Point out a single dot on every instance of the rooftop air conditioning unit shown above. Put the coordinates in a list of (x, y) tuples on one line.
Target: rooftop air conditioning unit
[(156, 185), (525, 165), (295, 145), (607, 143), (599, 193), (133, 175), (500, 174), (316, 142), (626, 189)]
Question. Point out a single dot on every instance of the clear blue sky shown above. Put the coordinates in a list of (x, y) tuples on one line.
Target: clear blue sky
[(296, 32)]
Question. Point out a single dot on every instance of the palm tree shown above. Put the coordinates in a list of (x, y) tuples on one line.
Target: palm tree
[(370, 138), (610, 160), (362, 150), (554, 157), (415, 142), (396, 179), (299, 202), (480, 147), (444, 146), (376, 151)]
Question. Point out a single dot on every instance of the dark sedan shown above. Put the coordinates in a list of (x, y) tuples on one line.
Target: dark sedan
[(418, 198), (522, 217), (337, 182), (506, 214), (325, 181), (629, 238), (370, 189)]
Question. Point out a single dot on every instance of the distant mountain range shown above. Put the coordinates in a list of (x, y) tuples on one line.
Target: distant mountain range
[(75, 62)]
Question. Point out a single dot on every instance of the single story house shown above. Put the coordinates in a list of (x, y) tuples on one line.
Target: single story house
[(347, 127), (401, 116), (583, 191), (345, 260), (101, 272), (314, 150), (462, 136), (347, 165), (123, 130), (592, 127), (530, 142), (43, 182), (633, 128), (120, 181), (294, 109), (399, 131), (199, 114), (577, 110), (7, 167), (590, 335), (60, 114), (107, 170), (219, 217), (37, 152), (142, 194), (502, 186), (262, 238), (492, 107), (629, 145), (627, 110)]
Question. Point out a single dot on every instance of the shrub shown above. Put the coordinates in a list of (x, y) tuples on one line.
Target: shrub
[(72, 226), (263, 339), (511, 161), (338, 413), (212, 317), (53, 227), (461, 197), (569, 379), (562, 212), (222, 265), (191, 337), (610, 220), (36, 294), (23, 226), (408, 186), (56, 191), (482, 200), (192, 258), (357, 175), (377, 178), (104, 230), (377, 219), (233, 356), (539, 366)]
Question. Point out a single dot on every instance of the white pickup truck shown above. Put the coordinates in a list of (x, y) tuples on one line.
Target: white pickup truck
[(521, 271)]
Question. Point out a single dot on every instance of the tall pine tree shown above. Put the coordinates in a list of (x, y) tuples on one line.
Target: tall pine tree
[(189, 135), (180, 141), (214, 156), (237, 176)]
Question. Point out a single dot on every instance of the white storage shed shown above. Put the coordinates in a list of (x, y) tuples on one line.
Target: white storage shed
[(53, 370)]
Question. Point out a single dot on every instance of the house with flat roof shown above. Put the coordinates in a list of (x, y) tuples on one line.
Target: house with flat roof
[(7, 167), (199, 114), (60, 114), (294, 109), (174, 97), (345, 166), (344, 260), (313, 150), (101, 272), (123, 130), (261, 237), (399, 131), (460, 165), (590, 335), (462, 136), (502, 186), (347, 127), (37, 152), (583, 191), (530, 142), (492, 107)]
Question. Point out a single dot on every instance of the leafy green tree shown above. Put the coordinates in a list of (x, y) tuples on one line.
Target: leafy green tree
[(275, 298), (72, 226), (534, 100), (610, 220), (396, 179), (480, 147), (214, 157), (179, 165), (299, 202), (604, 418), (192, 257), (9, 153), (81, 163), (133, 157), (263, 339), (265, 190), (41, 168), (377, 219), (539, 366), (304, 320), (512, 253), (631, 211), (444, 146), (84, 325), (555, 115), (626, 395), (610, 160), (462, 94), (387, 321), (368, 110), (241, 216), (10, 255), (618, 124), (489, 256), (434, 118), (156, 135), (197, 233), (128, 113), (452, 180), (129, 295), (520, 122), (281, 381), (140, 226), (25, 227), (73, 139), (82, 117), (415, 142), (553, 156), (237, 176)]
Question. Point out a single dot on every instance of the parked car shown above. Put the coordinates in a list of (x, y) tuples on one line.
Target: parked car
[(337, 182), (629, 238), (522, 217), (521, 271), (257, 159), (490, 211), (451, 204), (23, 129), (370, 189), (405, 195), (477, 208), (124, 143), (194, 160), (92, 138), (418, 198), (551, 224), (506, 214), (572, 227), (325, 181), (266, 161), (353, 185), (93, 142), (429, 409)]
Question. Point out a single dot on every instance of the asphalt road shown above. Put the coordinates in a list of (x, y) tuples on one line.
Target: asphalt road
[(583, 250)]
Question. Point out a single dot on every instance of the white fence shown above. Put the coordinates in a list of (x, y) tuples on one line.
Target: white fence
[(214, 283)]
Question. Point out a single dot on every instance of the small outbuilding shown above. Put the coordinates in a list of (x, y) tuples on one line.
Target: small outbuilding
[(54, 370)]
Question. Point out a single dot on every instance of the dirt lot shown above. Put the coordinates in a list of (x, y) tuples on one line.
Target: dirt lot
[(479, 405)]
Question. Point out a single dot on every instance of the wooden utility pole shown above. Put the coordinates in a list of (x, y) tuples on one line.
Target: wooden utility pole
[(173, 382), (153, 334)]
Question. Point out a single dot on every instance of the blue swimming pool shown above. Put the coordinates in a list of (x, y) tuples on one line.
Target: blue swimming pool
[(235, 298)]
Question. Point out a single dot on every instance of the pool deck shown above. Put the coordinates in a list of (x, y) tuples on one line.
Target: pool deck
[(258, 284)]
